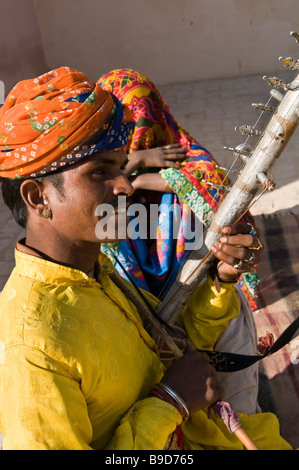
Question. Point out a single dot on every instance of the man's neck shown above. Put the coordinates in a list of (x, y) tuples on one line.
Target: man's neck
[(81, 257)]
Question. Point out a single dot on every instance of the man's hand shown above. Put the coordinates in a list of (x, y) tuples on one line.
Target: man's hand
[(193, 378), (238, 250)]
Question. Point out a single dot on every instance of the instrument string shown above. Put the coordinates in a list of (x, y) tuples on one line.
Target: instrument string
[(266, 186), (224, 189), (239, 218), (210, 253), (237, 156)]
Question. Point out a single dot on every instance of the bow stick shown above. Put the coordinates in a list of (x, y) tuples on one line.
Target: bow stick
[(236, 202), (232, 422)]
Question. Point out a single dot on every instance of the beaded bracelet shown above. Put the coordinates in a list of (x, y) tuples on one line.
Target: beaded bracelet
[(166, 393)]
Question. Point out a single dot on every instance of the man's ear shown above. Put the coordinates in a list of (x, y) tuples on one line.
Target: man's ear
[(32, 194)]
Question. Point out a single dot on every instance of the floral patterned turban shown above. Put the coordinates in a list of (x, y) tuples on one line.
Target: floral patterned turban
[(57, 119)]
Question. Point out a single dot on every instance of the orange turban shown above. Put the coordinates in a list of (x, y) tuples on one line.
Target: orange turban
[(56, 119)]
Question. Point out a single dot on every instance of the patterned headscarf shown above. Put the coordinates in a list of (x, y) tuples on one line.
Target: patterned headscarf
[(57, 119)]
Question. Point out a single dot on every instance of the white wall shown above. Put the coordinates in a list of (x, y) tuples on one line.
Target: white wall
[(21, 53), (169, 40)]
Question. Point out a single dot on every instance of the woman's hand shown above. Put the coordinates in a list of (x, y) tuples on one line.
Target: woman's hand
[(167, 156), (238, 251)]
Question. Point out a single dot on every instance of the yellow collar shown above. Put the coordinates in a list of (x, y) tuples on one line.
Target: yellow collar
[(29, 264)]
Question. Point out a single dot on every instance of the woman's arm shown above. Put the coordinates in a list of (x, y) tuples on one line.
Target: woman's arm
[(159, 157), (150, 181)]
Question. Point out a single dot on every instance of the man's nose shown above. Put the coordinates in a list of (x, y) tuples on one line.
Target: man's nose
[(123, 186)]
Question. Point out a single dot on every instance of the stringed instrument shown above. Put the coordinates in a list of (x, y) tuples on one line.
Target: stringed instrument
[(258, 164), (257, 167)]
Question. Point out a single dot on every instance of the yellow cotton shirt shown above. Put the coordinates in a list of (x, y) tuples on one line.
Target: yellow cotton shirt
[(77, 364)]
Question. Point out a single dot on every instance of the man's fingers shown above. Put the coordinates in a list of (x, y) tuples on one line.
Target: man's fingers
[(239, 228)]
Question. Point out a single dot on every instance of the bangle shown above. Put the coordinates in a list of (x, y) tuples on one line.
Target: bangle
[(216, 276), (176, 397), (233, 281), (166, 393)]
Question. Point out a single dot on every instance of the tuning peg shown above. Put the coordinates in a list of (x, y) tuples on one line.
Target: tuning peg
[(243, 151), (275, 82), (215, 185), (278, 83), (248, 130), (276, 95), (268, 184), (263, 107), (226, 169), (295, 35), (290, 62)]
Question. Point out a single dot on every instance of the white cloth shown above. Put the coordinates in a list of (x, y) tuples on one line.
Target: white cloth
[(241, 387)]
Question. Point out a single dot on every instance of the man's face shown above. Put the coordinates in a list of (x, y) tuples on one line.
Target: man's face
[(86, 187)]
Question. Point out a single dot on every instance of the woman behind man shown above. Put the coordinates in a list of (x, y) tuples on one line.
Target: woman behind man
[(170, 167)]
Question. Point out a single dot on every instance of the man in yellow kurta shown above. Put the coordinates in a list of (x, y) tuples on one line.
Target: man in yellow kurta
[(79, 370)]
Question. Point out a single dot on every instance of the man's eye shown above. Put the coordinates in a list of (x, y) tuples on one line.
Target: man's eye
[(124, 165), (99, 171)]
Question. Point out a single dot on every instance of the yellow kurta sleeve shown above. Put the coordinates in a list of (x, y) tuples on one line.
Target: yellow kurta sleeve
[(146, 426), (208, 313)]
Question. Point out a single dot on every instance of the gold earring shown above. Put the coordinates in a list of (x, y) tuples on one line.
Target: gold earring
[(47, 213)]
